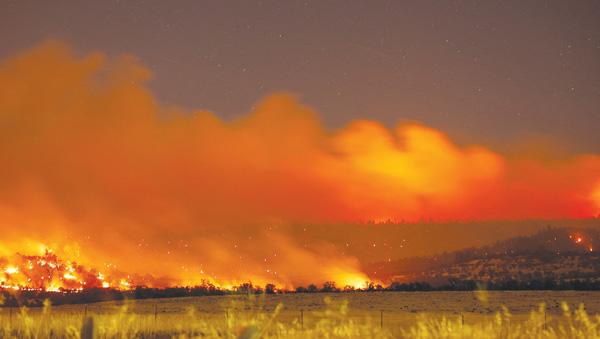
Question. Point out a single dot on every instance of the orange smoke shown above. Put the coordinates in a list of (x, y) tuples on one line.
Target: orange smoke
[(91, 160)]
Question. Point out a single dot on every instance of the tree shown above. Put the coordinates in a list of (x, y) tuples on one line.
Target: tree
[(349, 288), (245, 288), (301, 289), (396, 286), (329, 286), (270, 289)]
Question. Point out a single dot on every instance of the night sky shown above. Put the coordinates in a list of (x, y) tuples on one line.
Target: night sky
[(487, 72)]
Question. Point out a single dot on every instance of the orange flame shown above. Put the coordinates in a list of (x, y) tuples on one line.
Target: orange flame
[(47, 272)]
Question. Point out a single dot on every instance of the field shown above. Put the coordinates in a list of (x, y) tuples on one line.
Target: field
[(494, 314)]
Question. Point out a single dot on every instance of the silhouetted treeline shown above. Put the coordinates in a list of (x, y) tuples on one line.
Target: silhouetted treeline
[(514, 285), (92, 295)]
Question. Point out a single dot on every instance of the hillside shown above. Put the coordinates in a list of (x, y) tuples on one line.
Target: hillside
[(557, 254)]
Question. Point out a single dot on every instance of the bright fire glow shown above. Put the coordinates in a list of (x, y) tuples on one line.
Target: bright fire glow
[(11, 270), (580, 239), (353, 280), (46, 272), (70, 276)]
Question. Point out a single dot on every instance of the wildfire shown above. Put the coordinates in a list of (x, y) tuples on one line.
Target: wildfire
[(356, 281), (163, 192), (47, 272)]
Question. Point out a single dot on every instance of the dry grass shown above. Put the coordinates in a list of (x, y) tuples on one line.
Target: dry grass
[(314, 316)]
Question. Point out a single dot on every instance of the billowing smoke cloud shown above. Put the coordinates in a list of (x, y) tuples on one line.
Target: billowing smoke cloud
[(90, 161)]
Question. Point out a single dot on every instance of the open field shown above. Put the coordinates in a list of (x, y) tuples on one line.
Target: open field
[(502, 314)]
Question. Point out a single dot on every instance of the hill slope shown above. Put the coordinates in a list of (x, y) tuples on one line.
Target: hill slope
[(558, 254)]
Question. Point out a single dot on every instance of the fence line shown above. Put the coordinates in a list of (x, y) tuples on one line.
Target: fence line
[(398, 318)]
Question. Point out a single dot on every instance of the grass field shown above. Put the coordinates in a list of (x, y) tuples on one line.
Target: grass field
[(504, 314)]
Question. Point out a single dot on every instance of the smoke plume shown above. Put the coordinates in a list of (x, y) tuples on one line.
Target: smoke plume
[(93, 167)]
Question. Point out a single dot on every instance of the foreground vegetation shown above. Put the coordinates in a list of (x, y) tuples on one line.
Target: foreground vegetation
[(330, 316)]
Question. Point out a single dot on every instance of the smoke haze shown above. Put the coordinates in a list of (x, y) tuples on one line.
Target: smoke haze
[(93, 167)]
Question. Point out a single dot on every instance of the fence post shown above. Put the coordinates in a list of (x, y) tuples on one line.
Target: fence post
[(89, 330), (302, 319), (382, 319), (155, 311), (463, 318), (84, 309)]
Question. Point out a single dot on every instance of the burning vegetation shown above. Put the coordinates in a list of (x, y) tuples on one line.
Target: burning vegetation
[(553, 248), (49, 273)]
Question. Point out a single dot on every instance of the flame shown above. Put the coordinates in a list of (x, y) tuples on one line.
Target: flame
[(356, 281), (46, 273), (579, 238), (11, 270), (94, 168)]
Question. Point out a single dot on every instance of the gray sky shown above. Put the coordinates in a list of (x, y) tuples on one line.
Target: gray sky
[(487, 72)]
